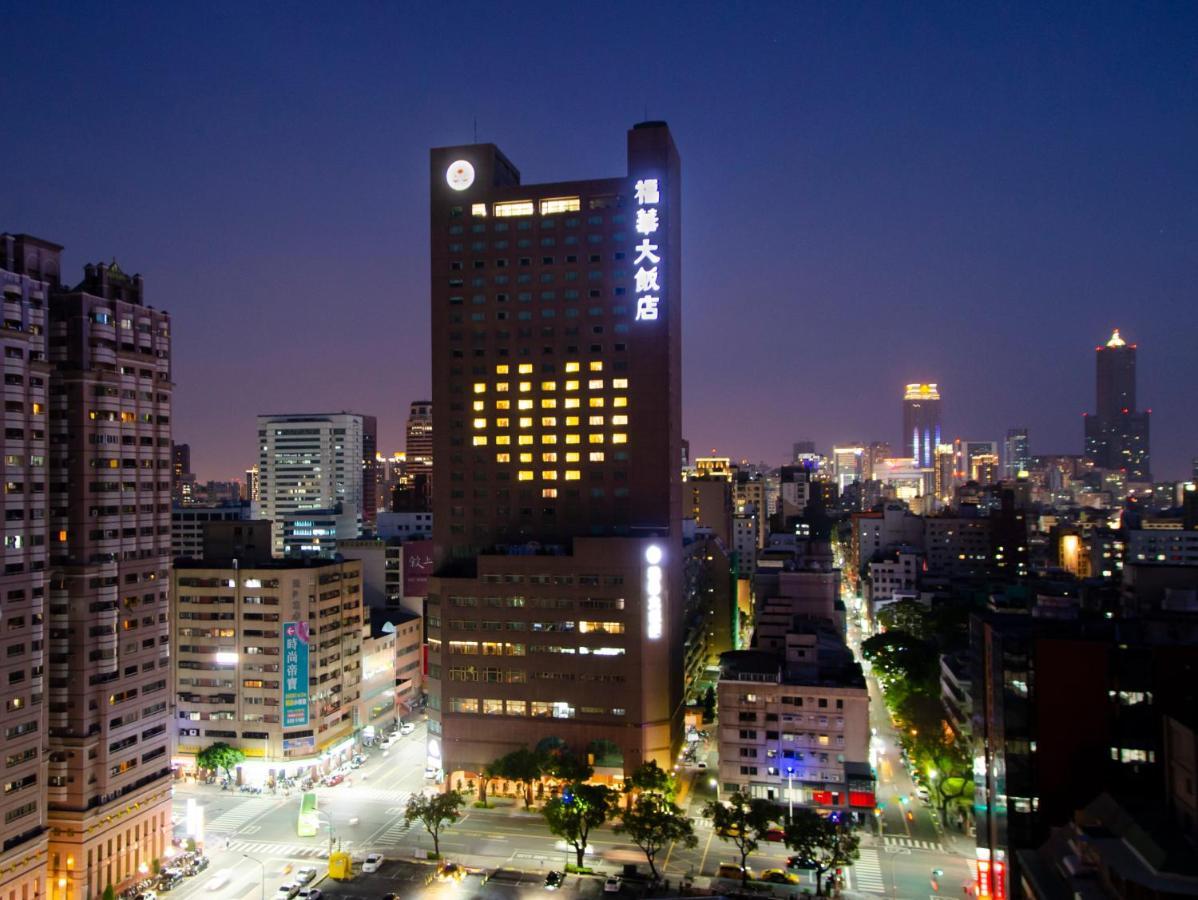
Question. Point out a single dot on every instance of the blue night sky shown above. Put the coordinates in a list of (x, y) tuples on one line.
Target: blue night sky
[(873, 195)]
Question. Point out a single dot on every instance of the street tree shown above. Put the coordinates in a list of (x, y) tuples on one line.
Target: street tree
[(653, 823), (220, 757), (522, 766), (577, 811), (741, 821), (906, 615), (561, 763), (434, 813), (709, 705), (946, 767), (649, 777), (827, 844), (489, 773)]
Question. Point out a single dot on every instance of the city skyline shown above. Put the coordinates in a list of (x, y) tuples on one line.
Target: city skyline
[(944, 175)]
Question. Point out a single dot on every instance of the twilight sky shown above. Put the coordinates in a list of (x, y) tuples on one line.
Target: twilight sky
[(873, 194)]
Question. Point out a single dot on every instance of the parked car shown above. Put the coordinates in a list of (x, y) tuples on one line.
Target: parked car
[(407, 728), (611, 885), (372, 862), (775, 834), (335, 779), (799, 862), (304, 875), (554, 880), (308, 893), (777, 876), (431, 774), (286, 891), (732, 870), (168, 883)]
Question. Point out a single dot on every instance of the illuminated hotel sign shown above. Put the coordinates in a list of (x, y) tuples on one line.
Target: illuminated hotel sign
[(648, 290), (653, 589)]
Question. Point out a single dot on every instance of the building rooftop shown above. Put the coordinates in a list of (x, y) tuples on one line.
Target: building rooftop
[(307, 562)]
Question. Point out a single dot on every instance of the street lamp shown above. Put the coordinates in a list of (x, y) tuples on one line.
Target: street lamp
[(790, 793), (262, 869)]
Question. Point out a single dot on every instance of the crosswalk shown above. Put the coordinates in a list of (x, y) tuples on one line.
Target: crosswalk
[(231, 820), (262, 849), (898, 840), (363, 794), (867, 872), (395, 834)]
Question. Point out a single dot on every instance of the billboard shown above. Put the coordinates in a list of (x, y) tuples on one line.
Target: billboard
[(417, 567), (295, 674)]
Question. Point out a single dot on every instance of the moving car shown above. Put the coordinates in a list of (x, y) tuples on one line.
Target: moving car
[(777, 876), (286, 891), (448, 871), (799, 862), (304, 875), (732, 870), (775, 834), (407, 728), (219, 880), (554, 880), (372, 862), (431, 773), (611, 885)]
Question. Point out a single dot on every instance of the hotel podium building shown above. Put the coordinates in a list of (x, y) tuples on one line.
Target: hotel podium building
[(554, 610)]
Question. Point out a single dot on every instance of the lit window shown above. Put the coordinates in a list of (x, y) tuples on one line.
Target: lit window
[(480, 440), (524, 440), (595, 384), (526, 422), (549, 457), (503, 404), (619, 383), (549, 385), (549, 474), (480, 387), (503, 457), (525, 457), (480, 423), (619, 420), (524, 404), (525, 368), (503, 423), (571, 385), (549, 421), (502, 439), (560, 205), (480, 405), (549, 439), (571, 421), (572, 456), (549, 403), (502, 369), (524, 475), (619, 401), (619, 438), (595, 439), (571, 403), (501, 387), (572, 439), (595, 402), (514, 208), (571, 367), (573, 474), (596, 365), (595, 456), (594, 420), (525, 386), (549, 493), (478, 209)]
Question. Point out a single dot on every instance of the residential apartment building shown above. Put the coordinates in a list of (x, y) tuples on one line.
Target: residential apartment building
[(188, 524), (268, 659), (557, 538)]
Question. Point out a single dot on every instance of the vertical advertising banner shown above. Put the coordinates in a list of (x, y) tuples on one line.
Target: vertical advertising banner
[(417, 567), (295, 674)]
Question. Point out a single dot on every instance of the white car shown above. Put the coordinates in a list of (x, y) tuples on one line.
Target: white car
[(431, 773), (372, 862), (304, 875), (309, 893), (611, 885), (407, 728), (219, 880)]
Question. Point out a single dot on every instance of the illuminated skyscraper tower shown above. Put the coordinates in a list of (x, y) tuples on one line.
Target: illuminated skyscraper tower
[(921, 423), (1117, 433)]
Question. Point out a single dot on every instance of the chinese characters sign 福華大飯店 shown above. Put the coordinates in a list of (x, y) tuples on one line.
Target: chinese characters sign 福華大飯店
[(648, 254), (295, 674)]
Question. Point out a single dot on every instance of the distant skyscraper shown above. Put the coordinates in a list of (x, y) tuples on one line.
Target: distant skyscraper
[(311, 473), (1016, 457), (921, 423), (251, 484), (1117, 433), (802, 450), (418, 452), (182, 478)]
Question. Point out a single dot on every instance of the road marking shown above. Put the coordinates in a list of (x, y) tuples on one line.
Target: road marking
[(706, 846), (393, 835), (913, 843), (242, 814), (249, 829), (867, 872)]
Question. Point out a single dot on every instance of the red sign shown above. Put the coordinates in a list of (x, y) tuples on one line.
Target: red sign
[(417, 567), (823, 798), (862, 798), (1000, 877), (983, 880)]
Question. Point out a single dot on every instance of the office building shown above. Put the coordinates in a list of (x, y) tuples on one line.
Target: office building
[(268, 659), (188, 523), (101, 456), (418, 456), (311, 479), (555, 608), (802, 450), (1016, 457), (251, 484), (370, 473), (183, 479), (849, 463), (921, 423), (28, 271), (1117, 433), (710, 505)]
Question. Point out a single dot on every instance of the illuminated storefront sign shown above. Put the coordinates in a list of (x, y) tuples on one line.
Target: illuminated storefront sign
[(653, 589), (648, 258), (295, 674)]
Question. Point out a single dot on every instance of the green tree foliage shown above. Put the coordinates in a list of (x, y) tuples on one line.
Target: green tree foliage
[(709, 705), (489, 773), (826, 843), (577, 811), (653, 823), (109, 892), (649, 777), (434, 813), (933, 751), (220, 757), (741, 821), (906, 615)]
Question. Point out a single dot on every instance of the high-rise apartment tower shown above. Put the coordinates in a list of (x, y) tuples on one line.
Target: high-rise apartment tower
[(921, 423)]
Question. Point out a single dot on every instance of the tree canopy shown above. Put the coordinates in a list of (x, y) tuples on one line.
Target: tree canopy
[(434, 813), (220, 756), (741, 821), (653, 823), (826, 843), (577, 811)]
